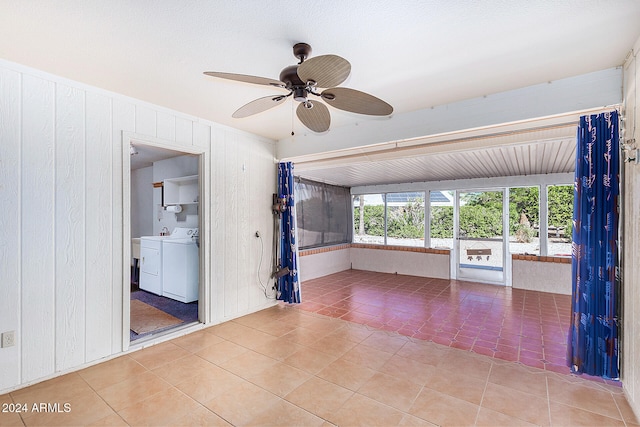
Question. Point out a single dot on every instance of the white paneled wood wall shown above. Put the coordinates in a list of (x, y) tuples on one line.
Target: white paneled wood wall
[(61, 191), (630, 372)]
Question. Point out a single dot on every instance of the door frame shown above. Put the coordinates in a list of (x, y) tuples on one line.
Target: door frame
[(503, 277), (204, 288)]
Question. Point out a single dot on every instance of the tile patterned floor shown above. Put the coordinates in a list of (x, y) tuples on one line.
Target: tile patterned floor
[(287, 366), (509, 324)]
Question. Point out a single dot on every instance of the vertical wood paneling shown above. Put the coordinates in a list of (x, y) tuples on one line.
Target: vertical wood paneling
[(202, 135), (69, 227), (218, 223), (244, 232), (98, 227), (184, 131), (231, 207), (166, 126), (10, 223), (37, 229), (123, 119), (145, 121)]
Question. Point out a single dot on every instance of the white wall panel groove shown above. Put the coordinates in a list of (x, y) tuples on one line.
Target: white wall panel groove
[(70, 232), (37, 336), (10, 222)]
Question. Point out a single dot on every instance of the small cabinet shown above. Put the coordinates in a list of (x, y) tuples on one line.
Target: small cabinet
[(181, 191)]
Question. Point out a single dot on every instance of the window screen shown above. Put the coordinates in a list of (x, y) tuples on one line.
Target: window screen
[(323, 214)]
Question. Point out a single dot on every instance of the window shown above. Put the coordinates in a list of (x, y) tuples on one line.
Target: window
[(441, 223), (560, 219), (368, 218), (323, 213), (405, 219), (524, 220)]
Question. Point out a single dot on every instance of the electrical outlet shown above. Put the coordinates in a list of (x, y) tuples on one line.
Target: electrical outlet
[(8, 339)]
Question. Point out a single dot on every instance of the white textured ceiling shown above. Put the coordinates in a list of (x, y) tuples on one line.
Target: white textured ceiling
[(414, 54)]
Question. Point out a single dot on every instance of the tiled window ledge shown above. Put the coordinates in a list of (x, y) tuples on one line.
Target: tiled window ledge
[(558, 259), (370, 246), (324, 249), (401, 248)]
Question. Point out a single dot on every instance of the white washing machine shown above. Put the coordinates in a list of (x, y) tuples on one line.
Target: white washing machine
[(169, 265), (180, 266)]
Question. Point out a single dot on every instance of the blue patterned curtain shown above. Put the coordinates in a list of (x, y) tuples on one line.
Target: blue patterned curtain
[(593, 337), (288, 285)]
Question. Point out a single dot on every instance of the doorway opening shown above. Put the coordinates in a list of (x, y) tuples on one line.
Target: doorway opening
[(164, 284), (481, 240)]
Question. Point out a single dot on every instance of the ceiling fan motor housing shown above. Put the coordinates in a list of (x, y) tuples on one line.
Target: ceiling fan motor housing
[(289, 76)]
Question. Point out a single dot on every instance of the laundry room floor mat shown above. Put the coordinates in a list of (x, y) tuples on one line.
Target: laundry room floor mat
[(145, 318)]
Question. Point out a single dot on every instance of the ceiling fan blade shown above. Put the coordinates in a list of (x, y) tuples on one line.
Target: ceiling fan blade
[(325, 70), (245, 78), (316, 118), (356, 102), (258, 106)]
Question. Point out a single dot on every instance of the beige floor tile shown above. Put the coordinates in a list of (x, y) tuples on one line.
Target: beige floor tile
[(392, 391), (222, 352), (163, 409), (10, 414), (200, 416), (283, 413), (303, 336), (113, 420), (111, 372), (467, 363), (158, 355), (332, 345), (583, 397), (319, 397), (310, 360), (275, 327), (360, 410), (228, 330), (524, 406), (424, 352), (518, 377), (564, 415), (346, 374), (243, 335), (352, 332), (248, 364), (410, 420), (133, 390), (280, 379), (490, 418), (57, 389), (240, 404), (320, 324), (183, 369), (82, 410), (279, 349), (408, 369), (381, 340), (196, 341), (457, 385), (209, 384), (443, 410), (625, 409), (367, 356)]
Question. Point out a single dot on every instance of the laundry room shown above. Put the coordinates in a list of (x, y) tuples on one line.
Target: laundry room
[(164, 240)]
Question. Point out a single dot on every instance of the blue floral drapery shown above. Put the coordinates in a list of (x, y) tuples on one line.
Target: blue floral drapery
[(288, 285), (593, 343)]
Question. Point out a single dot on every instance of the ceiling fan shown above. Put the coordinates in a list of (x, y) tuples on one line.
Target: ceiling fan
[(305, 79)]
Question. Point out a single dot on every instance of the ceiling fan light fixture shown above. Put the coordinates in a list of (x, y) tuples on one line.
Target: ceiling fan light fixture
[(300, 94)]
